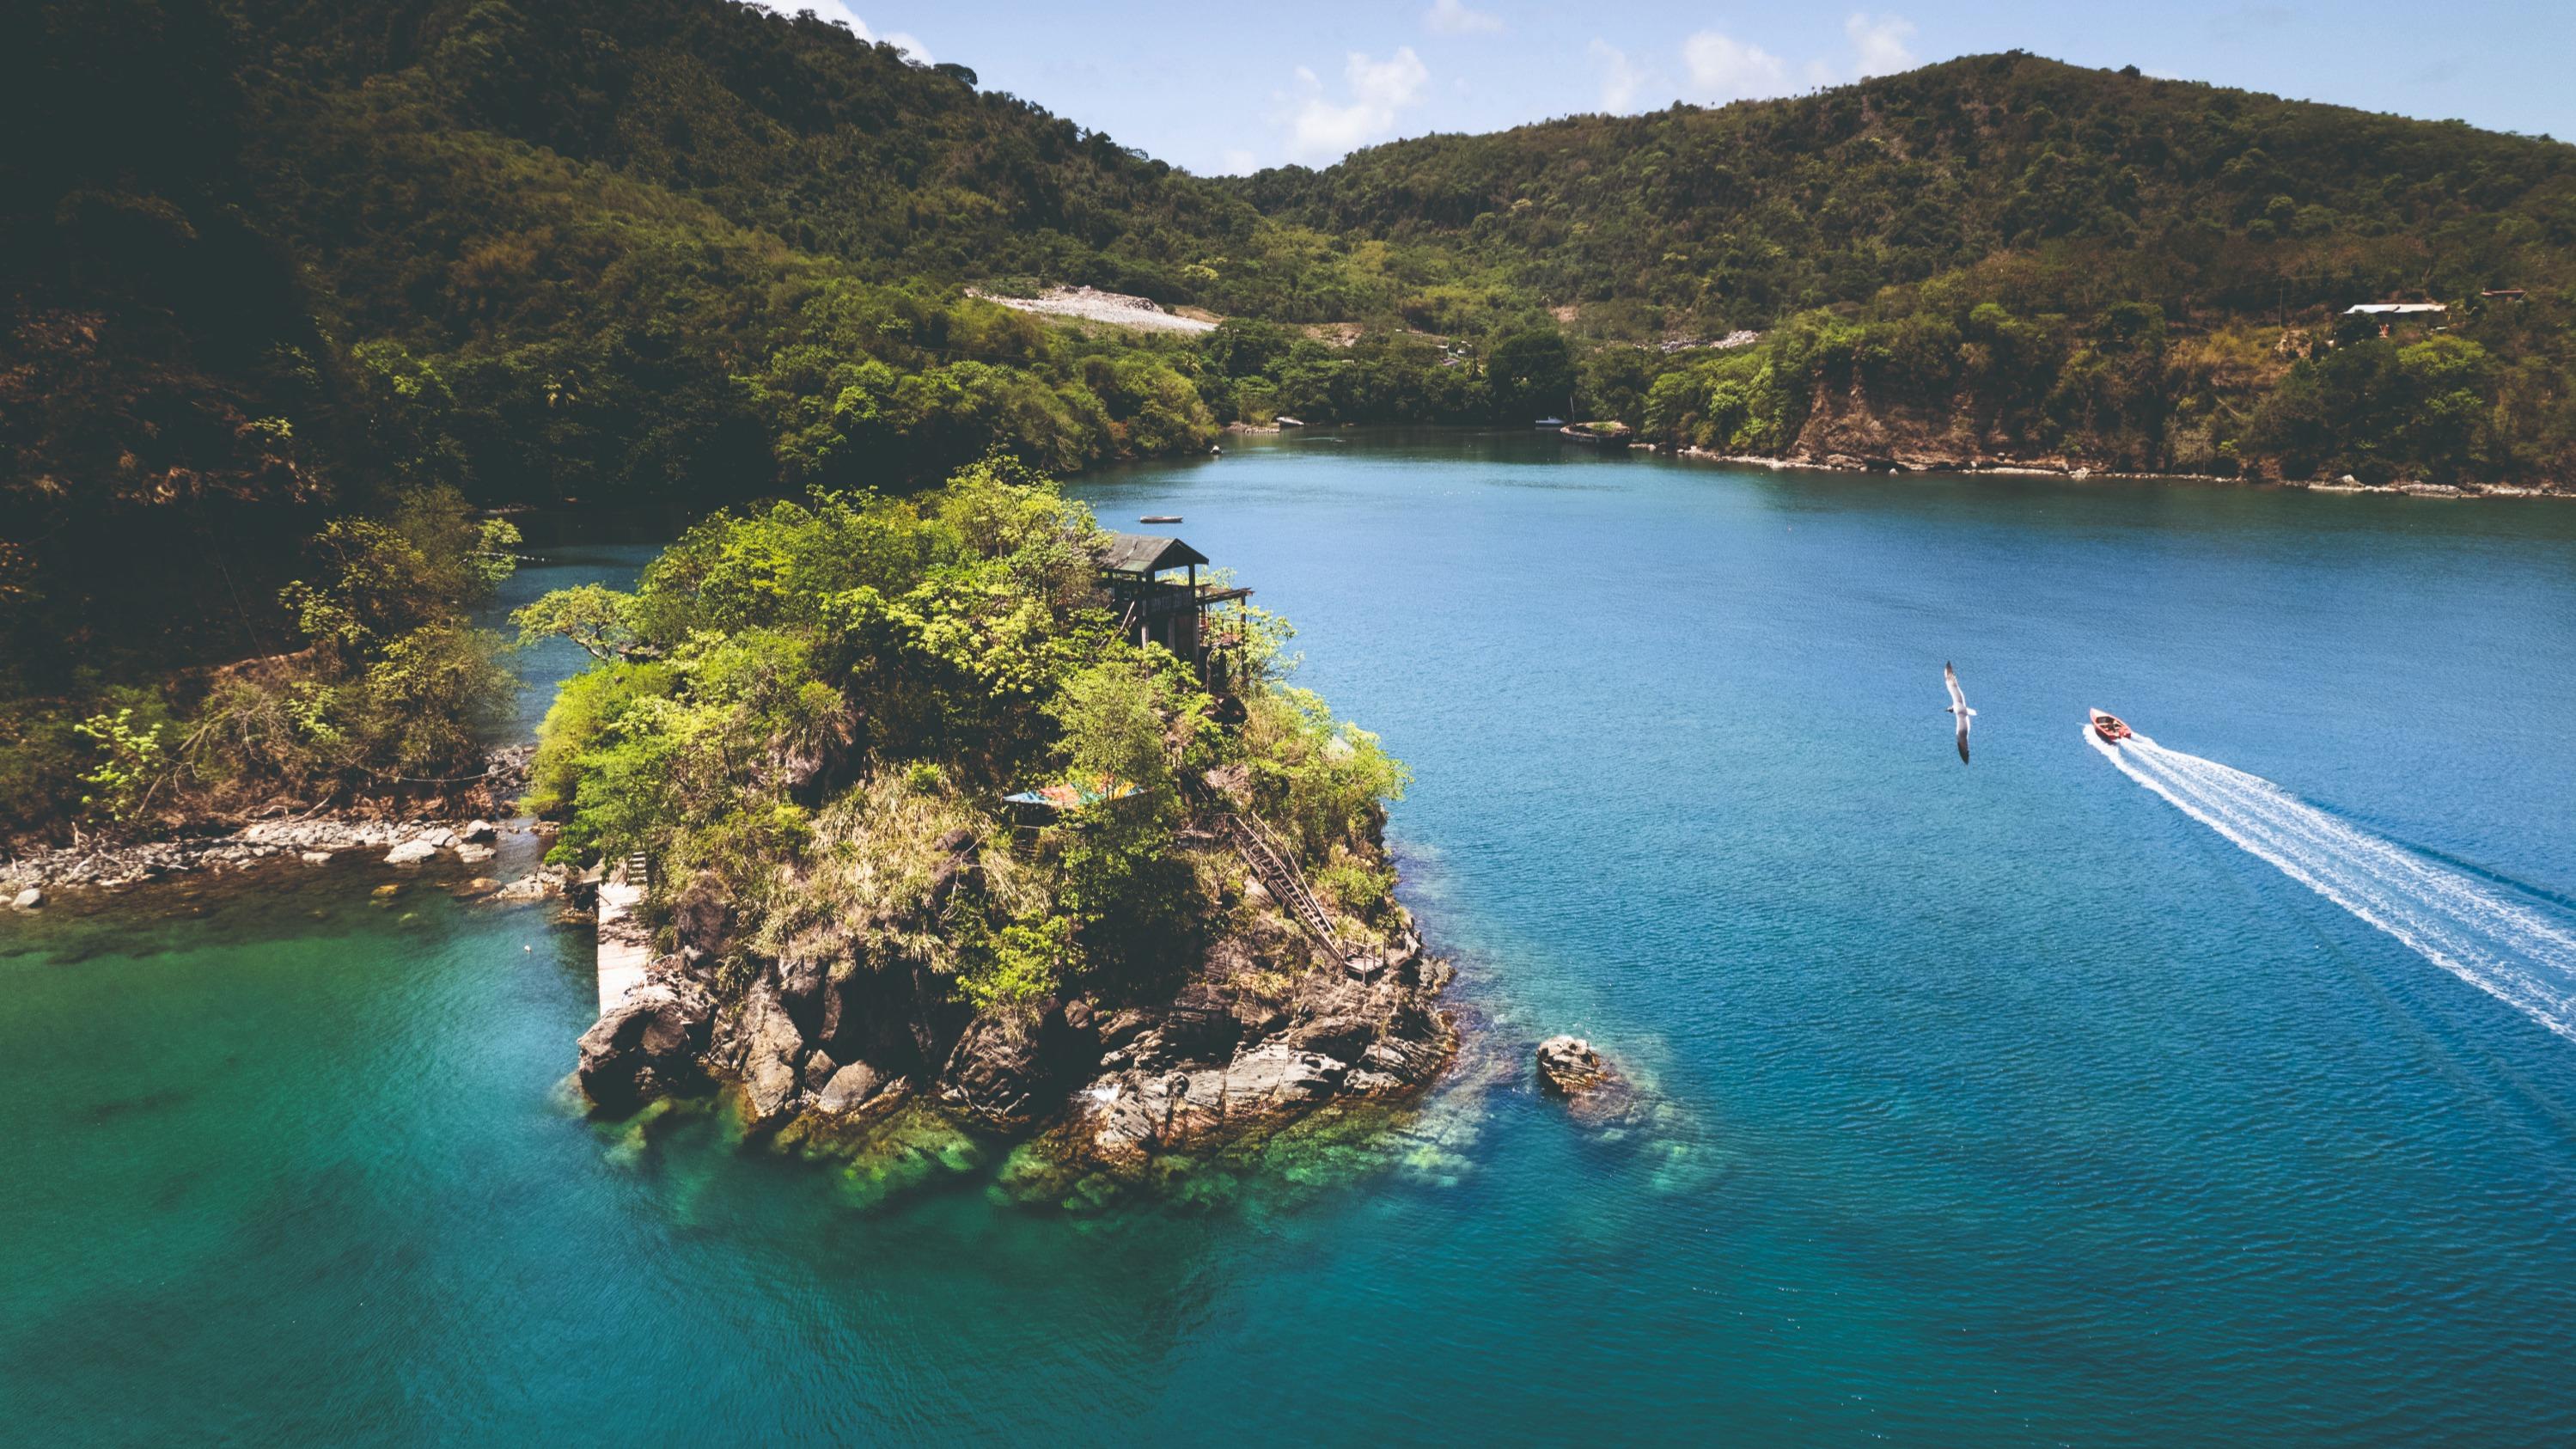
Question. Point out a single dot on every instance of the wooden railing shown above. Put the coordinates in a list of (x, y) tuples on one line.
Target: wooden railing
[(1276, 868)]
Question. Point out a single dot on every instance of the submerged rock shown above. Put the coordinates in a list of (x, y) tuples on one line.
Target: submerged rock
[(535, 886)]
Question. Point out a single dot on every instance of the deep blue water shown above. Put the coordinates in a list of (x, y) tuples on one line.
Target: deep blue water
[(2000, 1104)]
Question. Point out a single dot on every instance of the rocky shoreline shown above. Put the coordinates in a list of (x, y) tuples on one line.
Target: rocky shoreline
[(1266, 1030), (2063, 468), (282, 835)]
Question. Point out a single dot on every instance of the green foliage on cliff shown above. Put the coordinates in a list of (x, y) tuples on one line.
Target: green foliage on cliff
[(391, 688), (804, 701), (1951, 368)]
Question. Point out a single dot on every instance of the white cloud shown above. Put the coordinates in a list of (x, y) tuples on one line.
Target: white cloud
[(1881, 41), (1321, 130), (839, 11), (1622, 79), (1725, 69), (1452, 17), (836, 10)]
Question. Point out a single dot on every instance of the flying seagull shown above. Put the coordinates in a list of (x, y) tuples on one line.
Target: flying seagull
[(1958, 708)]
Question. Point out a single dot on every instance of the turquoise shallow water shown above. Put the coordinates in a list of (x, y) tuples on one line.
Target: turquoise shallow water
[(2004, 1104)]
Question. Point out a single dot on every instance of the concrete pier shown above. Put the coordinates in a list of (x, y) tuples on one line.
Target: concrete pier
[(624, 949)]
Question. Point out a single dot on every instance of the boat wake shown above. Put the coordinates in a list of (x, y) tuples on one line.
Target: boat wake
[(2521, 952)]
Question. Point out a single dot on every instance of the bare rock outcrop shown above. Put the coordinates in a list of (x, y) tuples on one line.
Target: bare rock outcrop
[(648, 1045), (1569, 1067)]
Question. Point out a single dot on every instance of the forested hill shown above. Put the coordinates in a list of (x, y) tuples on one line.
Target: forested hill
[(2197, 198), (268, 265), (790, 127), (291, 284), (268, 261)]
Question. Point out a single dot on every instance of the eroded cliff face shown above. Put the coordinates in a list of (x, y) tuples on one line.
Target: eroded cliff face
[(1266, 1027), (1855, 425)]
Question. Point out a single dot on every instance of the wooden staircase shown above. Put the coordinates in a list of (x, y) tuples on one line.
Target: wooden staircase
[(1277, 871)]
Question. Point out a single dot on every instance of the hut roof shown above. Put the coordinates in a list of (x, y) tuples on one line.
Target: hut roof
[(1144, 553)]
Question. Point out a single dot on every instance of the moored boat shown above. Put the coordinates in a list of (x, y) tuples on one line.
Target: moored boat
[(2110, 727)]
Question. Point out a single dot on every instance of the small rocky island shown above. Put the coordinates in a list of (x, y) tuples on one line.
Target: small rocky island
[(959, 802), (1569, 1067), (1596, 1093)]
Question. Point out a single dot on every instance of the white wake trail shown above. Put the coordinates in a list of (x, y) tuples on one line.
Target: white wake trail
[(2511, 950)]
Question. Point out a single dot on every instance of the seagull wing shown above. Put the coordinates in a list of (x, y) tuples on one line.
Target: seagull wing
[(1958, 708)]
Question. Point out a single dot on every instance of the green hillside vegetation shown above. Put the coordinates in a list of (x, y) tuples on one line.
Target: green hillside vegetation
[(2216, 201), (283, 264), (2077, 262), (296, 263)]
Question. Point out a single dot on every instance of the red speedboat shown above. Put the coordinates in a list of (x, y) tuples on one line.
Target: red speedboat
[(2110, 727)]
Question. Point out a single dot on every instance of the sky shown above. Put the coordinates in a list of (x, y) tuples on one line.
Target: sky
[(1230, 88)]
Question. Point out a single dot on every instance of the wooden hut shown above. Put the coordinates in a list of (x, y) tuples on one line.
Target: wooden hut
[(1153, 583)]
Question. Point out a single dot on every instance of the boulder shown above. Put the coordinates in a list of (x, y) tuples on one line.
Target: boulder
[(411, 852), (1275, 1075), (772, 1050), (850, 1088), (474, 854), (1011, 1072), (1568, 1066), (479, 832), (1340, 1037), (30, 899), (314, 857), (997, 1072), (644, 1046)]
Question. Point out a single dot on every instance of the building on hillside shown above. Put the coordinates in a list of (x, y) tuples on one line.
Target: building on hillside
[(2390, 314), (1153, 584)]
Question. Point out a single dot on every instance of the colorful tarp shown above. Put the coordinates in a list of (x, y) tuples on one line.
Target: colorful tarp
[(1074, 794)]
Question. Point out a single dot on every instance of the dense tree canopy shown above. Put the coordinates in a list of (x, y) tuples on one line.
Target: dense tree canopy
[(279, 265), (801, 701)]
